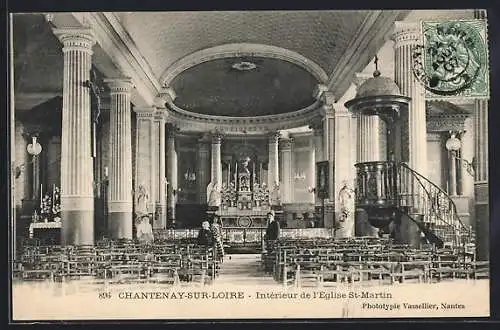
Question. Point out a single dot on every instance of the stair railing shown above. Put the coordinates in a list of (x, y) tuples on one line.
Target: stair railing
[(425, 198)]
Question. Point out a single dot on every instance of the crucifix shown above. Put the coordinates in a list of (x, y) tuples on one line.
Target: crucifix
[(96, 91)]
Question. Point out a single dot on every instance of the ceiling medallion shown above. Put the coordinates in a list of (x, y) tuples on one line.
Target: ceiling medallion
[(244, 66)]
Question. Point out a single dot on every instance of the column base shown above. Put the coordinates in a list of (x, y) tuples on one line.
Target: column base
[(77, 227), (329, 215), (120, 225), (171, 218)]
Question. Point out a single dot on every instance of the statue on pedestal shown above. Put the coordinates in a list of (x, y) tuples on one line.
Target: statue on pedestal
[(346, 200), (141, 201), (276, 194), (213, 193)]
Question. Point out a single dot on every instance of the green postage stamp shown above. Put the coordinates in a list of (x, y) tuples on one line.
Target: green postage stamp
[(453, 60)]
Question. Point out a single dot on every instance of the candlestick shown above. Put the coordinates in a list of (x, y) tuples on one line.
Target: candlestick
[(106, 171), (41, 195), (236, 174), (253, 174)]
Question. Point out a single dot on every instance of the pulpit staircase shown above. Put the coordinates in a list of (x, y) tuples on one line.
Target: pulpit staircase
[(389, 190)]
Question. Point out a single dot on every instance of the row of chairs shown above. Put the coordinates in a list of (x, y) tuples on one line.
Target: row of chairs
[(307, 262), (120, 261)]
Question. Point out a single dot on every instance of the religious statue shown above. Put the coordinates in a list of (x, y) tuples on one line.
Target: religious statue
[(142, 200), (276, 194), (214, 196), (346, 199)]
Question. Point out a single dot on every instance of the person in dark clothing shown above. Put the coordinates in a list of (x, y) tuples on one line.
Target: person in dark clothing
[(205, 236), (273, 228)]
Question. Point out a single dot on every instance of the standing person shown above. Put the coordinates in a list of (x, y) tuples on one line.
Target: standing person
[(205, 235), (273, 227), (216, 229)]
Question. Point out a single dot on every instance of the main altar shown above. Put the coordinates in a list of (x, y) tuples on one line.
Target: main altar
[(245, 201)]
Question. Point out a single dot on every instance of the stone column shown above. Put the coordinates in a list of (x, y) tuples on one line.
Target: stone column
[(311, 176), (287, 184), (481, 179), (467, 152), (120, 160), (171, 175), (77, 177), (414, 144), (160, 169), (406, 37), (216, 163), (318, 154), (273, 168), (328, 113), (368, 145), (203, 170), (343, 180), (452, 173), (145, 155)]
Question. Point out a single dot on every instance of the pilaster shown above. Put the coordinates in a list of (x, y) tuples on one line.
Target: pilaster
[(287, 184)]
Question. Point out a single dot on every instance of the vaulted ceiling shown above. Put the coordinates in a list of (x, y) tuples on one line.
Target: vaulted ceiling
[(164, 38), (293, 51)]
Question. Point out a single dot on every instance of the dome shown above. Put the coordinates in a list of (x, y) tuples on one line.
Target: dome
[(377, 86)]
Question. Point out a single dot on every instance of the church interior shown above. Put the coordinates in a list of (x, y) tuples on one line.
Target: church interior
[(133, 123)]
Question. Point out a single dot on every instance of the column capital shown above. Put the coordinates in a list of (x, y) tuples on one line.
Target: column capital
[(171, 131), (273, 137), (216, 137), (119, 85), (286, 144), (166, 95), (160, 114), (341, 110), (147, 112), (76, 39), (405, 33), (327, 111)]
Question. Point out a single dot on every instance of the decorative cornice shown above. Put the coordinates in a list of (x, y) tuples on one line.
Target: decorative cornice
[(406, 33), (191, 121), (371, 35), (446, 123), (241, 50)]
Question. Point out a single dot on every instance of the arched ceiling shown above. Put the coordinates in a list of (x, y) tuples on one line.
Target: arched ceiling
[(164, 38), (217, 88)]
